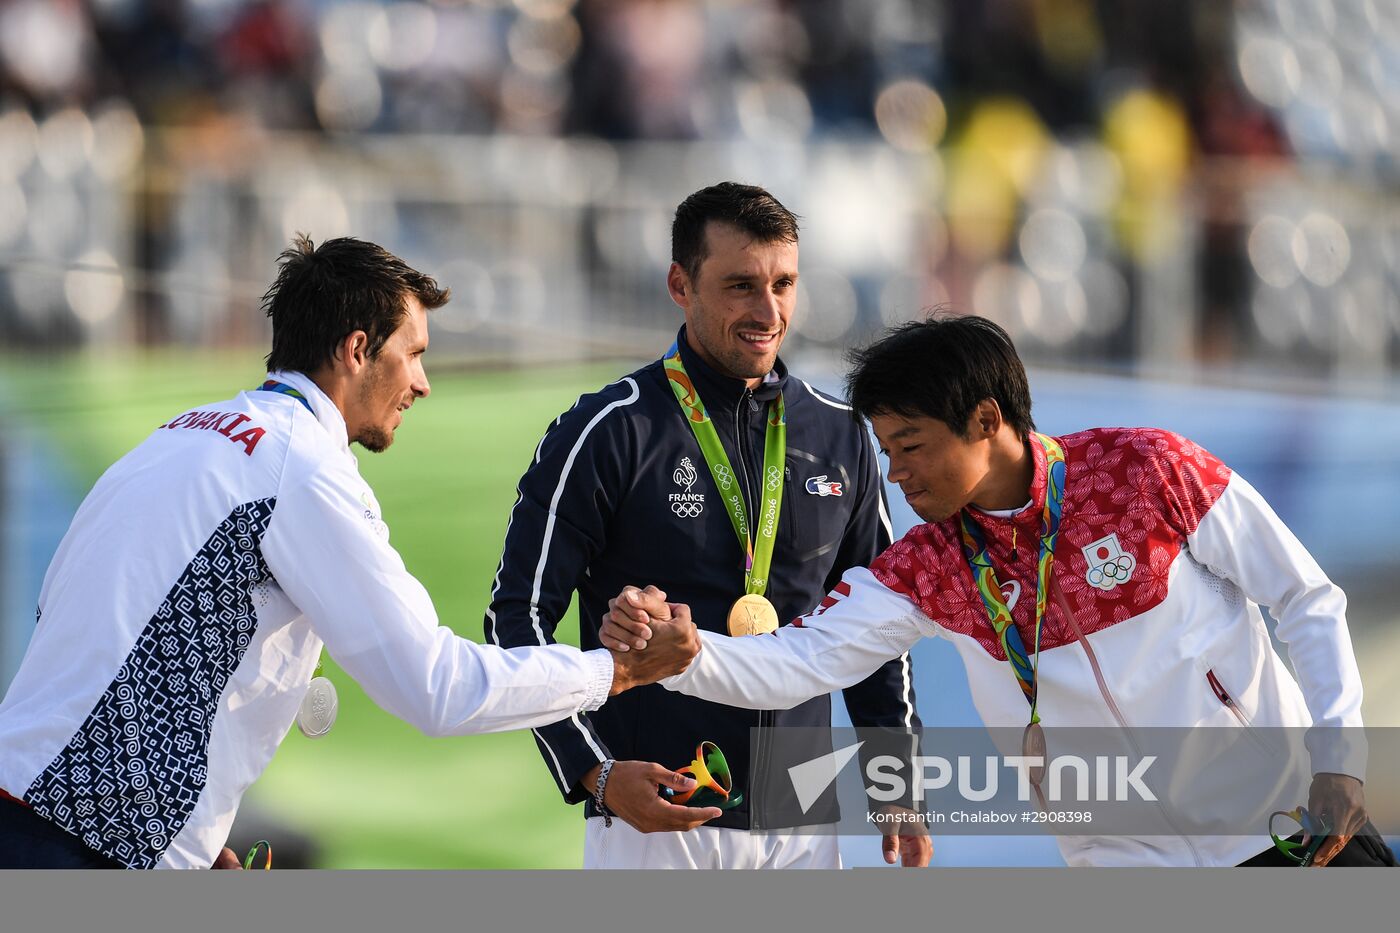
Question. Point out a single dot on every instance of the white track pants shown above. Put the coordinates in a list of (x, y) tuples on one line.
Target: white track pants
[(621, 846)]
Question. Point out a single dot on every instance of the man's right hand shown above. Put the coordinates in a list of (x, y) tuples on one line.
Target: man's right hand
[(632, 796), (673, 641)]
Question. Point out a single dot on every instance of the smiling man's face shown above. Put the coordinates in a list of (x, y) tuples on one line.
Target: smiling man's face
[(391, 382), (738, 305)]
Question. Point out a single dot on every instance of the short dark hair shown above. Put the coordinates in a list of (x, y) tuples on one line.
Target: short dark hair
[(747, 207), (941, 367), (324, 293)]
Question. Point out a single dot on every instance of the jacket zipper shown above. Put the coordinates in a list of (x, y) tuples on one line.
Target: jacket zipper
[(741, 431), (789, 508), (759, 766), (1229, 703)]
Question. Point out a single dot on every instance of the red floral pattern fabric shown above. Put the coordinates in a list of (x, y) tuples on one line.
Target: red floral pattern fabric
[(1148, 487)]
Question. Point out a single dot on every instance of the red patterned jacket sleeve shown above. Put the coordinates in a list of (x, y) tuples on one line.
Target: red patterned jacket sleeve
[(1192, 478)]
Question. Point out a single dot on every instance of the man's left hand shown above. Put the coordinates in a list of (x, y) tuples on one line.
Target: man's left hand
[(1338, 799), (905, 838)]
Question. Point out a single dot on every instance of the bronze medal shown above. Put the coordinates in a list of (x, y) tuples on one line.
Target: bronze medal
[(1033, 746), (752, 614)]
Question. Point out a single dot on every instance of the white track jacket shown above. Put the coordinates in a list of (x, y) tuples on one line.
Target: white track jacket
[(182, 617), (1164, 557)]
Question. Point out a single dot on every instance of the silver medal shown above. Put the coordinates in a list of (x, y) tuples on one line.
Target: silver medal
[(318, 708)]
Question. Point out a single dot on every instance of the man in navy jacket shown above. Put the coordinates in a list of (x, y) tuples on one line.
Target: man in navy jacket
[(621, 489)]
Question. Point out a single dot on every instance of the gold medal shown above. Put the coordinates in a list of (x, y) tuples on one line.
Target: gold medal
[(752, 614)]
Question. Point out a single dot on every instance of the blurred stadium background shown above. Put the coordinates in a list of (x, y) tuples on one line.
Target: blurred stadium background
[(1187, 213)]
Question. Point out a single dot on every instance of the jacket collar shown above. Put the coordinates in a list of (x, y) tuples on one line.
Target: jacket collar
[(1039, 479), (321, 405), (719, 391)]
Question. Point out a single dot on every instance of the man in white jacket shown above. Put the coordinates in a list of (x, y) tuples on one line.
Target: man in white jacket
[(185, 611), (1108, 579)]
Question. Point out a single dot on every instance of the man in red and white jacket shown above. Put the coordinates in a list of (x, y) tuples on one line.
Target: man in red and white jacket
[(1162, 559)]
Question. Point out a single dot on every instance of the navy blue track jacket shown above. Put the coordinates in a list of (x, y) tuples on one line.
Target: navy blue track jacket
[(611, 500)]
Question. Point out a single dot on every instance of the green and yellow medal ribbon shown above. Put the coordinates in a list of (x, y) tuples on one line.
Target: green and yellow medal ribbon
[(758, 545)]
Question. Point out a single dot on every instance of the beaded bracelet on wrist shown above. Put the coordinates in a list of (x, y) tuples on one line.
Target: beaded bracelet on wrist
[(603, 773)]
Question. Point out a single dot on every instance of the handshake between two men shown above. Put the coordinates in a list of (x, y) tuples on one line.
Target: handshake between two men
[(640, 621), (673, 642), (632, 789)]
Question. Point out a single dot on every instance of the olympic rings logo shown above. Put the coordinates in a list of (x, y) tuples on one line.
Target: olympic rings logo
[(724, 477), (687, 509), (1111, 573), (775, 478)]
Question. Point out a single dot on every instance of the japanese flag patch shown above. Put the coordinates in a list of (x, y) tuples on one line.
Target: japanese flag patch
[(1109, 564)]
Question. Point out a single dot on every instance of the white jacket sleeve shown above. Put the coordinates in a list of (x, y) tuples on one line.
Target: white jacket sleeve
[(379, 624), (864, 626), (1244, 541)]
